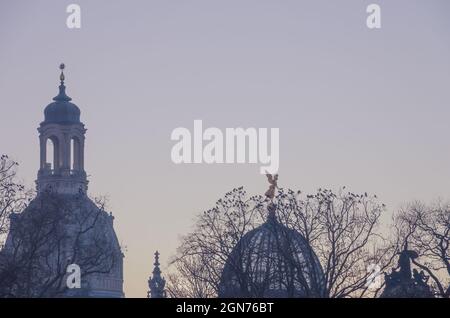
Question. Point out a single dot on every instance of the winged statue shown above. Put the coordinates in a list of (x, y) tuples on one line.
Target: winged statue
[(273, 179)]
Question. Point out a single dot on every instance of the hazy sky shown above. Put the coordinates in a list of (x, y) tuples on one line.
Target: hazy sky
[(368, 109)]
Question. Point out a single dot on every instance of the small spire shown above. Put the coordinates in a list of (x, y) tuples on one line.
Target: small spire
[(62, 97), (271, 216), (156, 283)]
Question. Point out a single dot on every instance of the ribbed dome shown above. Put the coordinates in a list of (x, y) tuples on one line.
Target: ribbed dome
[(62, 110), (272, 261)]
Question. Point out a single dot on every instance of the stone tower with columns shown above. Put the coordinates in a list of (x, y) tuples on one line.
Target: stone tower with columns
[(63, 128), (79, 231)]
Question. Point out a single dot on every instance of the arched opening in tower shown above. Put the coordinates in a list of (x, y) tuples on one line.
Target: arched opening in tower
[(52, 154), (75, 154)]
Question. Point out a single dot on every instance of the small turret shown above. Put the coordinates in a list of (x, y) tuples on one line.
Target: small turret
[(156, 283)]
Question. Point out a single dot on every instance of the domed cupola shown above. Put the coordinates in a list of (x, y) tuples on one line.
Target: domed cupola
[(63, 133), (62, 110), (272, 261)]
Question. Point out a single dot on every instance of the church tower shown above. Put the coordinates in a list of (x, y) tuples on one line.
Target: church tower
[(64, 133), (73, 230)]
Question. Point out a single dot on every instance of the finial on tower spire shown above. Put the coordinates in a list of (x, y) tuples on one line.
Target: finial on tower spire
[(156, 259), (62, 88), (61, 77)]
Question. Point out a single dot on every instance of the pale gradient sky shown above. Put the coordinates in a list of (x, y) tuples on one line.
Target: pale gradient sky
[(368, 109)]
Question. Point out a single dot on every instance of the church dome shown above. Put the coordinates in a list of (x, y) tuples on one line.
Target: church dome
[(272, 261), (62, 110)]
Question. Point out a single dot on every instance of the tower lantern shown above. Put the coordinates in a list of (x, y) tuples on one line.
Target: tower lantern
[(63, 131)]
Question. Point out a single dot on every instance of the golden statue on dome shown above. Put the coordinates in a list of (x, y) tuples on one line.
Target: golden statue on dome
[(273, 181)]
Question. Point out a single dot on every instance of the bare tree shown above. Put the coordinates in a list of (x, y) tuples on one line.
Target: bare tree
[(51, 232), (190, 280), (203, 253), (344, 231), (425, 229), (341, 228), (13, 196)]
